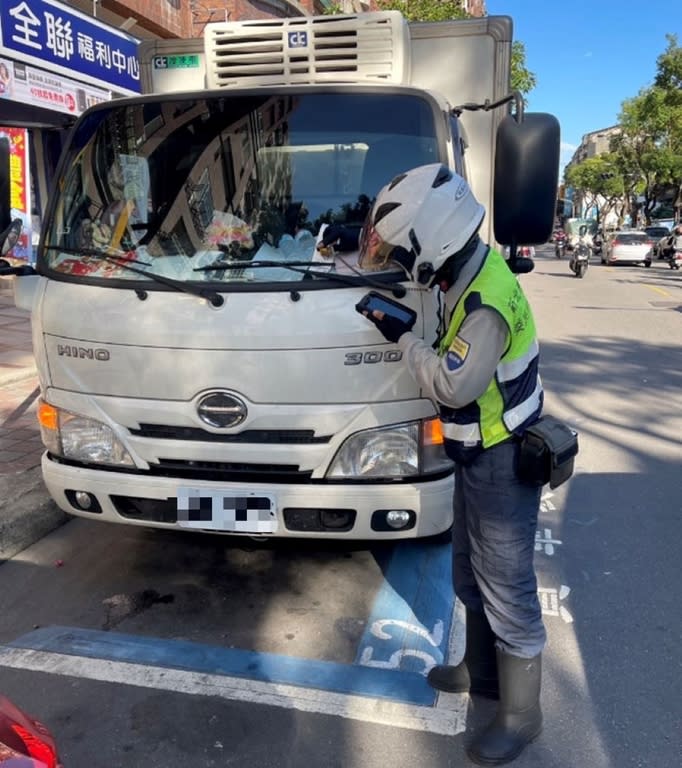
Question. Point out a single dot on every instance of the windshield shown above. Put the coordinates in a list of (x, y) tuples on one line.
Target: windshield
[(631, 239), (175, 186), (572, 227)]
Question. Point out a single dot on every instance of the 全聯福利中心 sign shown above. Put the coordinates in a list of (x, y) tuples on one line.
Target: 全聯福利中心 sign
[(60, 39)]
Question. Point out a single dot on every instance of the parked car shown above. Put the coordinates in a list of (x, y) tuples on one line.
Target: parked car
[(659, 236), (628, 247), (24, 741)]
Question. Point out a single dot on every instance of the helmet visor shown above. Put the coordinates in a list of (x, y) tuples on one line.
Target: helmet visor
[(375, 252)]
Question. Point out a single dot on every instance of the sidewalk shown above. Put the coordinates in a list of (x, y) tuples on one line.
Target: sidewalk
[(26, 511), (20, 444)]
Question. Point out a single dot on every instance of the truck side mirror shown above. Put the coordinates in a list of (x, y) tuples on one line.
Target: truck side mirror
[(526, 178)]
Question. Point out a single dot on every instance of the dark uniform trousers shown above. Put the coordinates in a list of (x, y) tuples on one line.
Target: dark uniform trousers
[(495, 519)]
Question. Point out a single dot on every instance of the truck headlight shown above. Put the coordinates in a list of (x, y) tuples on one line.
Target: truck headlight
[(80, 438), (399, 451)]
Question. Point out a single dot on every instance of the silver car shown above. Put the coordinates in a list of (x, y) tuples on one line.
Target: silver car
[(628, 247)]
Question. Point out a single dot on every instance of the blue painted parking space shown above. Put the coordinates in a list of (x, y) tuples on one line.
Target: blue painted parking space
[(406, 633)]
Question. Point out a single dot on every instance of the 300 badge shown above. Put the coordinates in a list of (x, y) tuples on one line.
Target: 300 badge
[(358, 358)]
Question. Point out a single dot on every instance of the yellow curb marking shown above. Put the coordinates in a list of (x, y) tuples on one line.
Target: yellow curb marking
[(662, 291)]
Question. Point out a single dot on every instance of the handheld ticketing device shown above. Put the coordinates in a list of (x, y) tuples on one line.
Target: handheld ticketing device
[(374, 300)]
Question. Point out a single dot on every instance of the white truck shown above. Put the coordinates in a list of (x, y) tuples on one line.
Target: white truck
[(201, 362)]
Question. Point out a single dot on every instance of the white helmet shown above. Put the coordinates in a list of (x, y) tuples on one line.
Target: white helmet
[(427, 214)]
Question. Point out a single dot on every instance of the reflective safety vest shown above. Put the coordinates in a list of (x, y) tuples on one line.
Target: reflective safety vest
[(513, 399)]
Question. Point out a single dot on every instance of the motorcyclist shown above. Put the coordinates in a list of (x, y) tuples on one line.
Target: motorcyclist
[(559, 243), (483, 375), (582, 238), (598, 241), (673, 245)]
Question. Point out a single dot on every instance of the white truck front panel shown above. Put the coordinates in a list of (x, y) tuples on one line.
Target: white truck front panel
[(267, 347), (308, 382)]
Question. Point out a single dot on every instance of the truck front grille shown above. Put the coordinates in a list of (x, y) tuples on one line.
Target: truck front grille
[(229, 471), (262, 436)]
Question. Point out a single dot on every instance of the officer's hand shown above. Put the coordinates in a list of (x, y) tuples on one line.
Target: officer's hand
[(344, 238), (390, 327)]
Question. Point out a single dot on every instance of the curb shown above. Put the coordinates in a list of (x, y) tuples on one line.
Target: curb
[(27, 513), (12, 378)]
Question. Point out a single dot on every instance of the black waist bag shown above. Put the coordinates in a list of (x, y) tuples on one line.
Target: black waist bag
[(547, 453)]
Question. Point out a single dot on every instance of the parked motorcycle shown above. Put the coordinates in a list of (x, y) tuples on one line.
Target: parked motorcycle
[(580, 259)]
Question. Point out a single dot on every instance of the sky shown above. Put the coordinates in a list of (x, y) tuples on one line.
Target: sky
[(589, 57)]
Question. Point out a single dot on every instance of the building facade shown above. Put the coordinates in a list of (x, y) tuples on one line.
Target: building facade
[(594, 143)]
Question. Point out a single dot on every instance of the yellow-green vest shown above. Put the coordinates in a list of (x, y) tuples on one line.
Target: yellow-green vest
[(513, 399)]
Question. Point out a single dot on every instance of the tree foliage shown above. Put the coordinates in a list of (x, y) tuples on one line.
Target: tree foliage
[(600, 181), (522, 79), (646, 155), (425, 10)]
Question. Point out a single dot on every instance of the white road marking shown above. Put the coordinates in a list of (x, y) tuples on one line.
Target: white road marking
[(550, 599), (545, 504), (547, 543), (448, 718)]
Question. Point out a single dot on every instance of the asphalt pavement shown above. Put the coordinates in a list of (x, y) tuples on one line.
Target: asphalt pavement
[(26, 511), (607, 557)]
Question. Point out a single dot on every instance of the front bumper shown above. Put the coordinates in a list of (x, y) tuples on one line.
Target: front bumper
[(151, 501)]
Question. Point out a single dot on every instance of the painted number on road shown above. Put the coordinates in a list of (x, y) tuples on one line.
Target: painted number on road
[(395, 660)]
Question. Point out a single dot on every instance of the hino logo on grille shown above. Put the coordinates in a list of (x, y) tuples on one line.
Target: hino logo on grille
[(221, 409), (85, 353)]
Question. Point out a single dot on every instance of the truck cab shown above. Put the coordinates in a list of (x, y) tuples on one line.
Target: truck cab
[(202, 364)]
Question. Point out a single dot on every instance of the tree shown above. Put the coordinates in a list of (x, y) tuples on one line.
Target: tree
[(669, 79), (600, 180), (425, 10), (645, 159), (522, 79), (650, 145)]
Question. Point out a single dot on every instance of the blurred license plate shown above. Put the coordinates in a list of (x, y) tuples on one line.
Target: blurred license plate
[(237, 511)]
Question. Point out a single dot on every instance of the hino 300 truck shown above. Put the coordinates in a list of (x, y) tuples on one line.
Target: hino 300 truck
[(201, 362)]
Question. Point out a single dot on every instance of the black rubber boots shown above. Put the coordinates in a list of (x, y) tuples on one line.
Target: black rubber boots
[(486, 671), (477, 672), (519, 718)]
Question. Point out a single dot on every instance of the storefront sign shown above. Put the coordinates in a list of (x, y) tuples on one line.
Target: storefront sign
[(50, 35), (30, 85), (176, 62), (19, 193)]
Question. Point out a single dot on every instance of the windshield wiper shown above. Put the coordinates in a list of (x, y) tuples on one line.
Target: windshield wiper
[(121, 261), (234, 264), (297, 266)]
